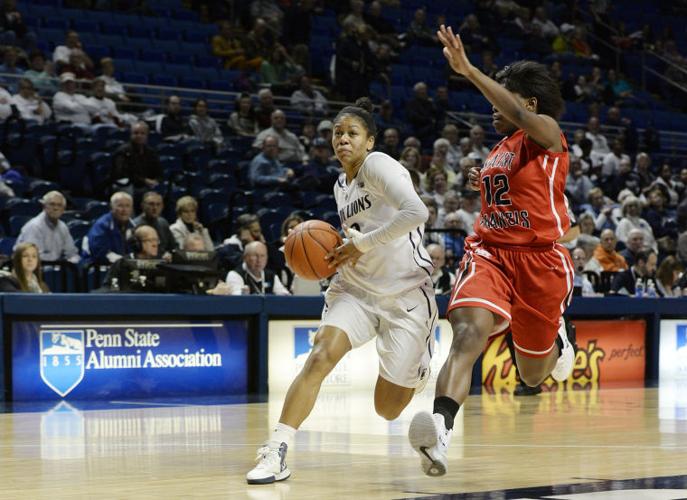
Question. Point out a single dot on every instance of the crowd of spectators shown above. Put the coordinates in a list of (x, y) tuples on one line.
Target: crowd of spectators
[(630, 201)]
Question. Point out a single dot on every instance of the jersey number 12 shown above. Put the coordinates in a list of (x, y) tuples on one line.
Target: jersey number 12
[(496, 189)]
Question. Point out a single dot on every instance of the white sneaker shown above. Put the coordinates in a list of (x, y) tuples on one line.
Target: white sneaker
[(430, 439), (566, 361), (271, 466)]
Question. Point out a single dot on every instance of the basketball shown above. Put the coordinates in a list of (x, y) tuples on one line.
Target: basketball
[(306, 246)]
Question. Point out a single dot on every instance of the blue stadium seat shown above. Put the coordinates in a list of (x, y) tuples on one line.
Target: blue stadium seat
[(39, 187), (17, 222), (177, 58), (19, 206), (95, 209), (207, 61), (7, 245)]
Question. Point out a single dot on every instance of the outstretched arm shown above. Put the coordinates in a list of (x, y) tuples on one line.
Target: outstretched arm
[(541, 128)]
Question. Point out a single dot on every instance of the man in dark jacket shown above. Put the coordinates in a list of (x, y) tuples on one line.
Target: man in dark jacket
[(136, 166)]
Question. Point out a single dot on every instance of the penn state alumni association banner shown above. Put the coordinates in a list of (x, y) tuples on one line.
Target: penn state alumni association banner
[(136, 359)]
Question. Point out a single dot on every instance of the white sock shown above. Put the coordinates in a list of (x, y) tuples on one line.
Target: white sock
[(282, 433)]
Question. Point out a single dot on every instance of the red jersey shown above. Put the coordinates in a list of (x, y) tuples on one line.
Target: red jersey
[(522, 190)]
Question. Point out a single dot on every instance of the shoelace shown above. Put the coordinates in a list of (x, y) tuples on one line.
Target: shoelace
[(267, 456)]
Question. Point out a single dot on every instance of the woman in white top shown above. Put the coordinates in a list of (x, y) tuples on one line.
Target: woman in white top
[(631, 220), (187, 223), (382, 290)]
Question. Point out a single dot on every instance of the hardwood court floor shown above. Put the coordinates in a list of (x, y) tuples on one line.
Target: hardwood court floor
[(344, 449)]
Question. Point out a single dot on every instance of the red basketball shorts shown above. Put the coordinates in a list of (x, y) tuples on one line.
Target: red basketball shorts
[(528, 287)]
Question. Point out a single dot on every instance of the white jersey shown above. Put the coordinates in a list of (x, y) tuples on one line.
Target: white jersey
[(381, 203)]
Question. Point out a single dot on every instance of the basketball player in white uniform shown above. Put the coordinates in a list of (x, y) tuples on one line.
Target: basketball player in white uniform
[(382, 291)]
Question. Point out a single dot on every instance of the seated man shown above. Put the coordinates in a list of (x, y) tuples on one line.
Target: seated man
[(49, 233), (136, 166), (144, 244), (68, 105), (194, 242), (265, 169), (605, 255), (442, 277), (252, 277), (643, 270), (106, 241), (152, 206)]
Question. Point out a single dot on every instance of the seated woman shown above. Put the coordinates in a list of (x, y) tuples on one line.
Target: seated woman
[(205, 128), (243, 121), (187, 223), (26, 275)]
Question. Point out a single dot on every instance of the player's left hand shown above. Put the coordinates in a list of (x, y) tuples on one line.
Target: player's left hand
[(347, 253), (454, 51)]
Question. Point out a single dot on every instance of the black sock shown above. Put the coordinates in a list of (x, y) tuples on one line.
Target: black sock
[(559, 343), (448, 408)]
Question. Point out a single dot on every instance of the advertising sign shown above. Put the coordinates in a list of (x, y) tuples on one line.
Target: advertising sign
[(119, 359), (609, 351), (290, 343), (672, 360)]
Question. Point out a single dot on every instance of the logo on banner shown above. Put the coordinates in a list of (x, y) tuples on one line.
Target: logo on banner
[(303, 338), (62, 359)]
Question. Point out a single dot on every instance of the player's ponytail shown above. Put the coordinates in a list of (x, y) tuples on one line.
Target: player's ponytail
[(362, 109)]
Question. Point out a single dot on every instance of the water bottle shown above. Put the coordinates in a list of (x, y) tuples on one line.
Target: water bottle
[(651, 289), (639, 288), (115, 285)]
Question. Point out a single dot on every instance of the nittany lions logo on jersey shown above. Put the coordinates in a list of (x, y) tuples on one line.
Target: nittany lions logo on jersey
[(355, 207), (62, 359)]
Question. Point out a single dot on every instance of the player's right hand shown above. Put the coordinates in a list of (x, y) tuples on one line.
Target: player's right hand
[(473, 178)]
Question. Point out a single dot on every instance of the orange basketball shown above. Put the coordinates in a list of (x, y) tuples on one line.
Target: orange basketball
[(306, 246)]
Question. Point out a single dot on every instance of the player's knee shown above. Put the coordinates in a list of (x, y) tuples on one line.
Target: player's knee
[(388, 412), (467, 336), (319, 362)]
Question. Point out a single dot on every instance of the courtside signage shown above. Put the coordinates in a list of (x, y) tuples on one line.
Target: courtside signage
[(125, 359), (672, 361)]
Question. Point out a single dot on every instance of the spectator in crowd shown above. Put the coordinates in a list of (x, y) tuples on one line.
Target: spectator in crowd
[(49, 233), (643, 170), (263, 113), (353, 63), (451, 204), (247, 229), (624, 180), (325, 130), (442, 277), (421, 113), (605, 254), (668, 276), (600, 208), (243, 121), (194, 242), (634, 245), (390, 144), (13, 30), (477, 141), (547, 28), (265, 169), (187, 223), (665, 179), (580, 281), (72, 46), (151, 215), (410, 159), (80, 65), (454, 239), (29, 104), (252, 277), (26, 275), (599, 142), (290, 148), (70, 106), (321, 172), (204, 127), (41, 74), (453, 154), (385, 118), (419, 32), (469, 211), (611, 161), (308, 100), (103, 109), (578, 185), (270, 12), (174, 126), (431, 224), (438, 162), (113, 89), (643, 270), (143, 244), (436, 185), (258, 43), (229, 47), (631, 208), (136, 166), (9, 66), (279, 70), (662, 222), (106, 241)]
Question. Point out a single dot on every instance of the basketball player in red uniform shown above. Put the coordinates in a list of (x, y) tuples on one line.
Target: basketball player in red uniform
[(514, 272)]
